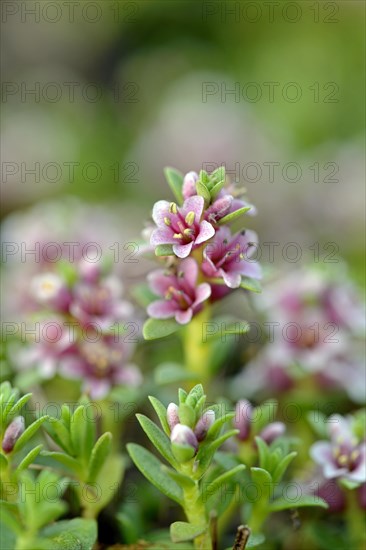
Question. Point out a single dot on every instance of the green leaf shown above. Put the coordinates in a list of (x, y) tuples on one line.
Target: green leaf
[(60, 434), (264, 453), (217, 188), (180, 531), (234, 215), (203, 191), (28, 433), (349, 484), (158, 438), (151, 468), (214, 486), (282, 467), (19, 404), (77, 430), (159, 328), (74, 534), (262, 478), (65, 460), (181, 479), (175, 181), (99, 455), (161, 412), (251, 284), (164, 250), (3, 462), (171, 373), (29, 458), (219, 174), (302, 501), (217, 425)]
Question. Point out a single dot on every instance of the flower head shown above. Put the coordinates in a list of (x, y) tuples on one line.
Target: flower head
[(181, 227), (183, 297), (228, 257), (344, 456)]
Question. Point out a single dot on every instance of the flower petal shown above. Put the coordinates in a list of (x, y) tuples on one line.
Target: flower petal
[(232, 280), (203, 292), (183, 317), (162, 309), (182, 250), (189, 268), (194, 204), (162, 235), (160, 211), (206, 232), (321, 452), (159, 281)]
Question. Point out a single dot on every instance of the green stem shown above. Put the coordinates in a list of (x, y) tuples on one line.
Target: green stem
[(355, 519), (197, 349), (196, 515)]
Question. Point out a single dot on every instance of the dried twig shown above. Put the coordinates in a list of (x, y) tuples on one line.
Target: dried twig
[(242, 536)]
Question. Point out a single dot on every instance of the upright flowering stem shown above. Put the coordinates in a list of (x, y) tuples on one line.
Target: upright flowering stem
[(196, 515), (355, 519), (196, 350)]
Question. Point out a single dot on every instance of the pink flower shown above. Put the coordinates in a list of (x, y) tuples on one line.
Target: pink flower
[(100, 303), (12, 434), (228, 257), (182, 297), (49, 290), (243, 419), (182, 227), (344, 456), (101, 365)]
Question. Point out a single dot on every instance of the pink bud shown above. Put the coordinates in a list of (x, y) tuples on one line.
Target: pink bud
[(172, 415), (272, 431), (243, 419), (183, 435), (204, 424), (189, 185), (12, 434)]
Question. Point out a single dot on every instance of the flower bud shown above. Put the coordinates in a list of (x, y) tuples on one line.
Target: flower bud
[(184, 442), (243, 419), (12, 434), (172, 415), (189, 184), (272, 431), (204, 424)]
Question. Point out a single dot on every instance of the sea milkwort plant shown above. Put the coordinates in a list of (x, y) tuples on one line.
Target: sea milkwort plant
[(191, 434), (202, 261), (84, 465)]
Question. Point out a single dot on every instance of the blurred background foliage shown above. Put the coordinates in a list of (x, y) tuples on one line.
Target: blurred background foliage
[(150, 62)]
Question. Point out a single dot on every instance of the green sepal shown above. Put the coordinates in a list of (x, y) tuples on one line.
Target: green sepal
[(183, 453)]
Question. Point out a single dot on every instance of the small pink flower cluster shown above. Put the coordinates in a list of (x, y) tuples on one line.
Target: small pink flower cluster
[(318, 321), (80, 315), (205, 260)]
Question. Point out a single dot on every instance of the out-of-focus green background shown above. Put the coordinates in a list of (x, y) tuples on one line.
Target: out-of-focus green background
[(98, 97)]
